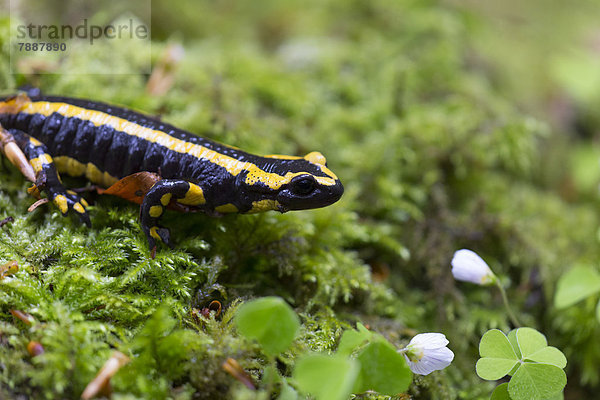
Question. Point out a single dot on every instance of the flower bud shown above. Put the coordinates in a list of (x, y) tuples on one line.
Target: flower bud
[(469, 267)]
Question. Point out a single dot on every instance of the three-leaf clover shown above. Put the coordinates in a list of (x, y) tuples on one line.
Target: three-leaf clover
[(536, 368)]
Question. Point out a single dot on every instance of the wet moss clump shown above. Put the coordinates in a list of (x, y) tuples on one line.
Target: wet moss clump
[(435, 154)]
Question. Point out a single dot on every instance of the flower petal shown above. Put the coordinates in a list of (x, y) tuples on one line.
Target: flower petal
[(427, 352), (433, 360), (441, 355), (429, 340)]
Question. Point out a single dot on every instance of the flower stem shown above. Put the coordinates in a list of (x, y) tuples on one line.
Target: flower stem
[(512, 317)]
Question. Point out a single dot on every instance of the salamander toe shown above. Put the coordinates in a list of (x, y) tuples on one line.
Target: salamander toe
[(69, 201)]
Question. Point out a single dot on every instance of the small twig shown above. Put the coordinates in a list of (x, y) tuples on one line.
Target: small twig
[(233, 368), (37, 204), (214, 306), (102, 380), (26, 318), (163, 75)]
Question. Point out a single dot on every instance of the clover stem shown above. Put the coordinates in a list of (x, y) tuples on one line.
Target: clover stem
[(512, 317), (272, 364)]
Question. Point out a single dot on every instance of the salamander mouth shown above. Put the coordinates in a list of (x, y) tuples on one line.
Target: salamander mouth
[(321, 197)]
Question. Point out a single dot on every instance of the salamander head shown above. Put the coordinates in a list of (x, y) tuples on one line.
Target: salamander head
[(293, 183)]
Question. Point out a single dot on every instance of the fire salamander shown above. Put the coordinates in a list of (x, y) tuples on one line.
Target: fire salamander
[(109, 145)]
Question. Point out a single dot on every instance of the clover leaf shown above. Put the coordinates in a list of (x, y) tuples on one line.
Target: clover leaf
[(576, 285), (529, 341), (534, 347), (382, 369), (512, 338), (498, 356), (287, 392), (536, 381), (352, 340), (549, 355), (536, 368), (270, 321), (326, 377), (501, 392)]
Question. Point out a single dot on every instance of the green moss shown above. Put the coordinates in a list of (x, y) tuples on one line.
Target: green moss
[(432, 156)]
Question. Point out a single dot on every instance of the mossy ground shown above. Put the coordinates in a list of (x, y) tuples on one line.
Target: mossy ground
[(425, 125)]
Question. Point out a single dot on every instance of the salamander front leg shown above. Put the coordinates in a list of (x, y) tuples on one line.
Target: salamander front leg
[(47, 178), (155, 202)]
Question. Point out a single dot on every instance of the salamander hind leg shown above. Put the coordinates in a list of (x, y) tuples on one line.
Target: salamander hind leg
[(47, 177), (155, 202)]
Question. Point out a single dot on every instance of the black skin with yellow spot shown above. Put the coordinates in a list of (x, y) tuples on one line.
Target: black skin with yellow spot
[(68, 131), (47, 177)]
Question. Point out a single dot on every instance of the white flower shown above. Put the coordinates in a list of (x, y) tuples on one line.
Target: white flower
[(427, 352), (469, 267)]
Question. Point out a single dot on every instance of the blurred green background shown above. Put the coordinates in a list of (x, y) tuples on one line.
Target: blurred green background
[(451, 123)]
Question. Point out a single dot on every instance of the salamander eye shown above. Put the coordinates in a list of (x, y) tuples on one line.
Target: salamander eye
[(303, 186)]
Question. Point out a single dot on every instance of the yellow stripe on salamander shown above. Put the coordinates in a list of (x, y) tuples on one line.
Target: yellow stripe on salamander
[(34, 141), (232, 165), (39, 162), (226, 208), (283, 157), (75, 168)]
